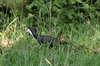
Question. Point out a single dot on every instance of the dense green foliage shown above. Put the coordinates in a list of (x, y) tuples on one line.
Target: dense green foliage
[(48, 11), (65, 10), (78, 20)]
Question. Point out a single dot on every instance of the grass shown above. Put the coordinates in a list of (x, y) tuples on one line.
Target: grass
[(85, 38), (26, 51)]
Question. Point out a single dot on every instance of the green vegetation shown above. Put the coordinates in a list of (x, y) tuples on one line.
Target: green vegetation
[(80, 25)]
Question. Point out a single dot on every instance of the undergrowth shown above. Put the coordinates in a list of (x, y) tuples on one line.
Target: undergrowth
[(27, 52), (81, 31)]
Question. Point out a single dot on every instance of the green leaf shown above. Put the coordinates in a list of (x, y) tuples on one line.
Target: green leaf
[(80, 1), (91, 15), (80, 15), (73, 1), (70, 16), (86, 5)]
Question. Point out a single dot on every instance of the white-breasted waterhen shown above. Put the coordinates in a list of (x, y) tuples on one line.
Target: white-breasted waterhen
[(44, 39)]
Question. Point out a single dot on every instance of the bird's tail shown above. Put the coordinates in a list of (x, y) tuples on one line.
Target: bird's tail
[(60, 36)]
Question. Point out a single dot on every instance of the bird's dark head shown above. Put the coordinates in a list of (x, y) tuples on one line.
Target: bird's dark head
[(32, 31)]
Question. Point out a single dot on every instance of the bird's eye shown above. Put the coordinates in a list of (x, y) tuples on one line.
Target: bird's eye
[(25, 29)]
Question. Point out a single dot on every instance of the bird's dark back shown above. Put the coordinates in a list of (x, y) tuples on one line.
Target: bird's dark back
[(44, 39)]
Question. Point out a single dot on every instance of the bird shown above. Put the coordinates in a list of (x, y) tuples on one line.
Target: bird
[(44, 39)]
